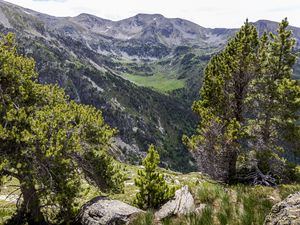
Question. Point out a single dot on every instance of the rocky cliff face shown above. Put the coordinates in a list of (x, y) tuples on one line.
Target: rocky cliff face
[(104, 63)]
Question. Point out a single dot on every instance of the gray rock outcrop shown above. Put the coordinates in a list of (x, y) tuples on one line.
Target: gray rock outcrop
[(286, 212), (103, 211), (182, 204)]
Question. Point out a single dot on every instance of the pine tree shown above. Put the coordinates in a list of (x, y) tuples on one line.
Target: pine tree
[(248, 102), (153, 189), (48, 143), (222, 105), (276, 97)]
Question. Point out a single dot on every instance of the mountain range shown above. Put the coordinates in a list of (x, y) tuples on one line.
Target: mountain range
[(143, 72)]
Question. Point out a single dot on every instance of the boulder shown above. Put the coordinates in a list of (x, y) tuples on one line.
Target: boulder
[(103, 211), (286, 212), (182, 204)]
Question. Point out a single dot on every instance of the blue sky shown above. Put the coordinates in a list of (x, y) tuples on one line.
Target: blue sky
[(207, 13)]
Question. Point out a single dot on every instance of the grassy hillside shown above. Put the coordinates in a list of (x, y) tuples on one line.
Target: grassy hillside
[(234, 205), (225, 204)]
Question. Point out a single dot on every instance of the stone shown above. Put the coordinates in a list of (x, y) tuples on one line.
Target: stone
[(286, 212), (181, 204), (103, 211)]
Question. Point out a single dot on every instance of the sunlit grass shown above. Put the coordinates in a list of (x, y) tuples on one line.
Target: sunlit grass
[(234, 205), (157, 81)]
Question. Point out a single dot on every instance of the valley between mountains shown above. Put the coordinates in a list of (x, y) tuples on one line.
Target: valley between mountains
[(143, 72)]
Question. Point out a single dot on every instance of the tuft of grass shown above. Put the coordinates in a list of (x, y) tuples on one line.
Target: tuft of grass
[(208, 192), (287, 189), (144, 219), (225, 205), (203, 219), (225, 214)]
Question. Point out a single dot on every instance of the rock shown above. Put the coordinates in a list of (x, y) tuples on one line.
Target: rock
[(103, 211), (181, 204), (286, 212)]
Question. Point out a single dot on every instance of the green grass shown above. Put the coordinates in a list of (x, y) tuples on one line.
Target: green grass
[(144, 219), (157, 81), (232, 205), (227, 205)]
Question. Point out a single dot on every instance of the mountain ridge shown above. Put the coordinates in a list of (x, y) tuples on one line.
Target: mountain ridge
[(144, 85)]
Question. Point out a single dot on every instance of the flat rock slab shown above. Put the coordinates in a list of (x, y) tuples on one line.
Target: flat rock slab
[(103, 211), (182, 204), (286, 212)]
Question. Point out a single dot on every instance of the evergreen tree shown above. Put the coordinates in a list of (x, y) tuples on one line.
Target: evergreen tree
[(276, 97), (248, 102), (153, 189), (222, 105), (48, 143)]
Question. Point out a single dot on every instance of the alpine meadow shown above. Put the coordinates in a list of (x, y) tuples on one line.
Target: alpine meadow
[(147, 120)]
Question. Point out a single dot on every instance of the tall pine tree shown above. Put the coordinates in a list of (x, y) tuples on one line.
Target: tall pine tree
[(222, 105), (276, 100), (248, 102)]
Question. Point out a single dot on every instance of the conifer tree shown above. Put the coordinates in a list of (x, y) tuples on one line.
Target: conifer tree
[(48, 143), (248, 102), (276, 97), (222, 106), (153, 189)]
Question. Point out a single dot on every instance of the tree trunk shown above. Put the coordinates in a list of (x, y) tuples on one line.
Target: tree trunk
[(31, 205), (232, 166), (220, 166)]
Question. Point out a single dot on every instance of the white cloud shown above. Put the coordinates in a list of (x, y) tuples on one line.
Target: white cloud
[(207, 13)]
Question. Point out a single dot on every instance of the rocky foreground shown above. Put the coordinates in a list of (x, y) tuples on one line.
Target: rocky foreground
[(104, 211)]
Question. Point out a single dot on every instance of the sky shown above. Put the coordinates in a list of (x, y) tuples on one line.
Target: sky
[(207, 13)]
